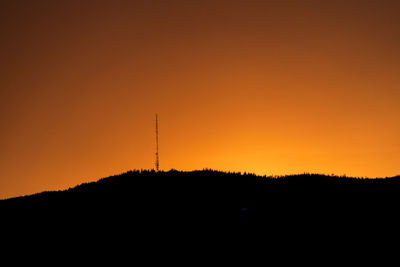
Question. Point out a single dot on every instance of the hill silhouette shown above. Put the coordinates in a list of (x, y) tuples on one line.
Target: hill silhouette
[(210, 196)]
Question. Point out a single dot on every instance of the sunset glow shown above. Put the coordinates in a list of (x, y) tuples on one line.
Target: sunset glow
[(270, 88)]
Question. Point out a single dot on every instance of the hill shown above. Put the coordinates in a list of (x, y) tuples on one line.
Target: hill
[(208, 196)]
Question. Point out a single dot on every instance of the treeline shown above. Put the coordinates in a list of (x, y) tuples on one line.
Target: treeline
[(207, 178)]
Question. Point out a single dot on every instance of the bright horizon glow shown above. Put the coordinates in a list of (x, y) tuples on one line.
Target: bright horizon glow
[(270, 88)]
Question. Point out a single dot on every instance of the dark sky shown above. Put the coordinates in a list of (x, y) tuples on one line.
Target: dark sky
[(271, 87)]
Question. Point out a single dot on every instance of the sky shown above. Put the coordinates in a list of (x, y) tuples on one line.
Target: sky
[(269, 87)]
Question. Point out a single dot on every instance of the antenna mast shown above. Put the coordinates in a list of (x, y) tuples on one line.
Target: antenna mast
[(157, 160)]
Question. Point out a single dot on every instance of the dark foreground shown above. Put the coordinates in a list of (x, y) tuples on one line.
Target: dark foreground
[(210, 197), (202, 213), (200, 216)]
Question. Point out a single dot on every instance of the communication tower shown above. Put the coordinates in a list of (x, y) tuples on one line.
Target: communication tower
[(157, 160)]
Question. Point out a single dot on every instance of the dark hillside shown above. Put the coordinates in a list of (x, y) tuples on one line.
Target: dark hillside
[(208, 197)]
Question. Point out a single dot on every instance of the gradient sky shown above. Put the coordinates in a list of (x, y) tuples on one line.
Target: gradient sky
[(271, 87)]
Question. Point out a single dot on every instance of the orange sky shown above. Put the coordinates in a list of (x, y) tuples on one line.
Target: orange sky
[(271, 88)]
